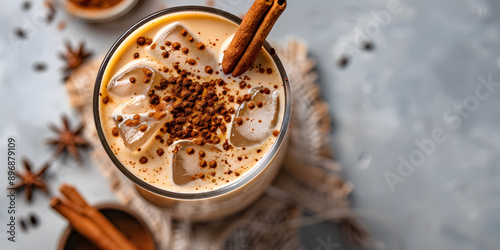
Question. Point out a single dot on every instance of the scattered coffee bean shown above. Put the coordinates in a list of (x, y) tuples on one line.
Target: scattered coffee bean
[(34, 220), (39, 66), (368, 46), (26, 6), (343, 61)]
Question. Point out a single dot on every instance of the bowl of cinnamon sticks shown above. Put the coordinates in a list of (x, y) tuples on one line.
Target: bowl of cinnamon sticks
[(104, 226)]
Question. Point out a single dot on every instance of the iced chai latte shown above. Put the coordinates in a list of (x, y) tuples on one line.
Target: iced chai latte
[(192, 138)]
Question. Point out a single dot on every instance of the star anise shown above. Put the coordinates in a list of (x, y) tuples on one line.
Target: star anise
[(74, 58), (31, 181), (69, 141)]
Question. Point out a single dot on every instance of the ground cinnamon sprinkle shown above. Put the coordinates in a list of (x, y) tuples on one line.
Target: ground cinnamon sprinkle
[(176, 46), (200, 46), (106, 99), (216, 140), (251, 105), (131, 123), (191, 62), (143, 160), (203, 164), (212, 164), (115, 132), (197, 110), (147, 75), (155, 99), (276, 133), (160, 152), (147, 72), (143, 128), (141, 41), (209, 70), (226, 145), (238, 121), (243, 84), (170, 141)]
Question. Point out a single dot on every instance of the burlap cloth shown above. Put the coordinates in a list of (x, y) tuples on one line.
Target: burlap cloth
[(307, 182)]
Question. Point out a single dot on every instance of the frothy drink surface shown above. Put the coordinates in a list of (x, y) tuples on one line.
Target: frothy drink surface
[(174, 119)]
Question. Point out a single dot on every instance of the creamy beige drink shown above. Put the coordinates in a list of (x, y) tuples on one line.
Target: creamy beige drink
[(174, 119)]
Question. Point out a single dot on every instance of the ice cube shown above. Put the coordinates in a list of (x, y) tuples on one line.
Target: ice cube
[(137, 105), (256, 118), (189, 164), (136, 125), (132, 79), (164, 50)]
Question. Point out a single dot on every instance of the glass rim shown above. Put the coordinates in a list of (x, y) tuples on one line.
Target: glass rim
[(250, 174)]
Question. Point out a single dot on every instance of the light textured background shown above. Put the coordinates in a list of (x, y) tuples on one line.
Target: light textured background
[(425, 62)]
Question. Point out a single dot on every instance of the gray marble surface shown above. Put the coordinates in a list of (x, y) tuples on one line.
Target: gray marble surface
[(415, 116)]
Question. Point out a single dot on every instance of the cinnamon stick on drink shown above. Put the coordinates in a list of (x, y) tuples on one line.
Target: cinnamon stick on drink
[(251, 35), (244, 34)]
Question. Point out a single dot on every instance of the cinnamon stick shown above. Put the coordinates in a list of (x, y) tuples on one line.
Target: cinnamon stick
[(259, 38), (73, 195), (83, 225), (244, 34), (97, 217)]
